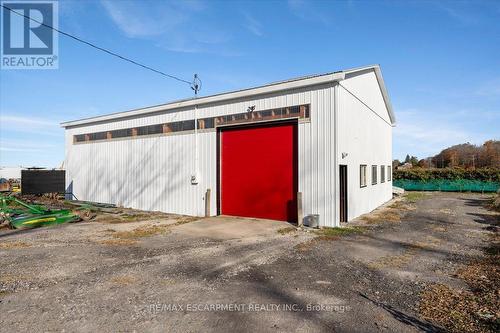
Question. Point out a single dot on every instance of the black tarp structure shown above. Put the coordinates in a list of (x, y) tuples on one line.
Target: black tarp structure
[(42, 181)]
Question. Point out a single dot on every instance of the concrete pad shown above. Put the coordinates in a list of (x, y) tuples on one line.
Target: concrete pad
[(229, 227)]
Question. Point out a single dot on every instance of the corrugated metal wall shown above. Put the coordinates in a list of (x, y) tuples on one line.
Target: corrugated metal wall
[(365, 135), (153, 173)]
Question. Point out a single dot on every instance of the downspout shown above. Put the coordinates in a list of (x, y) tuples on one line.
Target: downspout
[(196, 86), (195, 171), (336, 187)]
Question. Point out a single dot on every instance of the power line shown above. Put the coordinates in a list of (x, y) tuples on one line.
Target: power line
[(98, 47), (361, 101)]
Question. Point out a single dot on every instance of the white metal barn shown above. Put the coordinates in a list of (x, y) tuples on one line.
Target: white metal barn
[(328, 137)]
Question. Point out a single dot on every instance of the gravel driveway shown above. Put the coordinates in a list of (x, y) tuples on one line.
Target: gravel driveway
[(236, 275)]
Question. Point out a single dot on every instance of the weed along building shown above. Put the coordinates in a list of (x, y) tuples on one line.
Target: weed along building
[(313, 145)]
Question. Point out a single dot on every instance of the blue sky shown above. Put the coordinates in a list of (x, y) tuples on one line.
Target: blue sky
[(440, 61)]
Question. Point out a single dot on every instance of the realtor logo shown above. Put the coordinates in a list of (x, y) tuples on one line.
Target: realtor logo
[(28, 40)]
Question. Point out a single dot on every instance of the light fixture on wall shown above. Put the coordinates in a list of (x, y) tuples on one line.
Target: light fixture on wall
[(251, 108), (344, 155)]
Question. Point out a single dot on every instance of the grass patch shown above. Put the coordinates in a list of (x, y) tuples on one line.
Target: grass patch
[(326, 233), (409, 252), (285, 231), (168, 282), (494, 202), (123, 280), (402, 206), (399, 205), (393, 212), (118, 242), (472, 310), (136, 217), (14, 245), (396, 261), (414, 196), (141, 232), (116, 219), (10, 279), (460, 310), (128, 237), (305, 246), (129, 218), (111, 219), (385, 215), (186, 219), (390, 216)]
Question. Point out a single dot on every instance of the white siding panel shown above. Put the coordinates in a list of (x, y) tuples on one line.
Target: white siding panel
[(366, 139), (366, 87)]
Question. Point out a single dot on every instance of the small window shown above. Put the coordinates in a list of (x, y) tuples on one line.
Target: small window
[(389, 174), (79, 137), (97, 136), (374, 174), (121, 133), (295, 110), (362, 176), (187, 125), (267, 113), (209, 123), (151, 129), (382, 173)]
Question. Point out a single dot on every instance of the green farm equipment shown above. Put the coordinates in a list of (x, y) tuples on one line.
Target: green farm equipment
[(22, 215)]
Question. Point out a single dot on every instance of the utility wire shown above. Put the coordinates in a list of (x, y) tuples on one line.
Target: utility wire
[(361, 101), (98, 47)]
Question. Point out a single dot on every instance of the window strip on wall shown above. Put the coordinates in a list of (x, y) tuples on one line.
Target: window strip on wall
[(298, 111)]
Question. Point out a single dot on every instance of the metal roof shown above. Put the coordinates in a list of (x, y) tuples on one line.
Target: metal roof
[(298, 82)]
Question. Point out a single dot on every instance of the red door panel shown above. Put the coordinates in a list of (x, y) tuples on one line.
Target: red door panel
[(258, 171)]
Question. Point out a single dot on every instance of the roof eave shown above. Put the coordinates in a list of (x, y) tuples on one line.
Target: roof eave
[(385, 94)]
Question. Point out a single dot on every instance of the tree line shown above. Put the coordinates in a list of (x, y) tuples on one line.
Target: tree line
[(465, 155)]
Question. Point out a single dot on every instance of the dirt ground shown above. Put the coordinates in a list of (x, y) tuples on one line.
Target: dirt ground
[(239, 275)]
